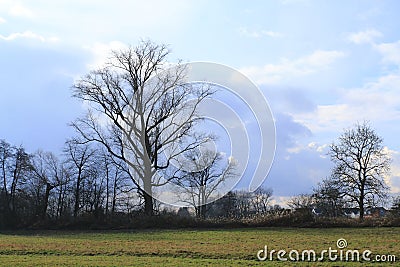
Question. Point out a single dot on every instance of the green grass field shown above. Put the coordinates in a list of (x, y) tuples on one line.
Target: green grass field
[(228, 247)]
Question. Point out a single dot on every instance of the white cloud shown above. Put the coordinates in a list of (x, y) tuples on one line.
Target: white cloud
[(393, 179), (312, 147), (104, 20), (363, 37), (375, 101), (286, 69), (390, 52), (28, 35), (317, 147), (102, 51), (272, 33), (2, 20), (382, 92), (325, 117), (295, 150), (281, 201), (19, 10), (258, 34)]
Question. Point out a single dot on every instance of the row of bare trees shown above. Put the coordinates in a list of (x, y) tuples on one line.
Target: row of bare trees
[(86, 180), (240, 204), (244, 204), (142, 120), (41, 185)]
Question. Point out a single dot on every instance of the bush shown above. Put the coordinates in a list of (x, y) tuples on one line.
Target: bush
[(169, 220)]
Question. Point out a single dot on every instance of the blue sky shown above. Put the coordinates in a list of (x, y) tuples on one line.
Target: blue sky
[(322, 66)]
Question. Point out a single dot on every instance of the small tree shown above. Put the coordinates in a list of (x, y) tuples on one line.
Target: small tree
[(20, 169), (329, 198), (360, 165), (261, 199), (302, 202), (47, 175), (243, 204), (6, 156), (209, 172), (15, 169), (80, 159), (396, 206)]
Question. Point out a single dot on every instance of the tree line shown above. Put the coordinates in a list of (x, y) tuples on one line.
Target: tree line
[(39, 186), (87, 181), (142, 123)]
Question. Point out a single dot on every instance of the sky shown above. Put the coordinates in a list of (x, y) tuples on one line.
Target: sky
[(321, 65)]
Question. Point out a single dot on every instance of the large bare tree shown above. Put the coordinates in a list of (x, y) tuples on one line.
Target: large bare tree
[(360, 165), (139, 110)]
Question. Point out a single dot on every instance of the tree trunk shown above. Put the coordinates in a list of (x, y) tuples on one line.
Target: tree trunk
[(148, 199), (11, 203), (148, 189), (362, 189), (114, 197), (78, 183), (107, 190), (203, 202), (362, 207), (106, 166), (203, 211), (46, 199), (7, 198), (59, 202), (148, 204)]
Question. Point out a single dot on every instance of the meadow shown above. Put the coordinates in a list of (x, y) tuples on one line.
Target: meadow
[(188, 247)]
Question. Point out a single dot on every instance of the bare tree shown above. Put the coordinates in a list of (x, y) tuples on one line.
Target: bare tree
[(20, 168), (48, 172), (252, 203), (396, 206), (93, 189), (139, 111), (80, 158), (243, 204), (261, 199), (116, 175), (15, 168), (302, 202), (360, 165), (207, 173), (226, 206), (329, 197), (6, 154), (62, 191)]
